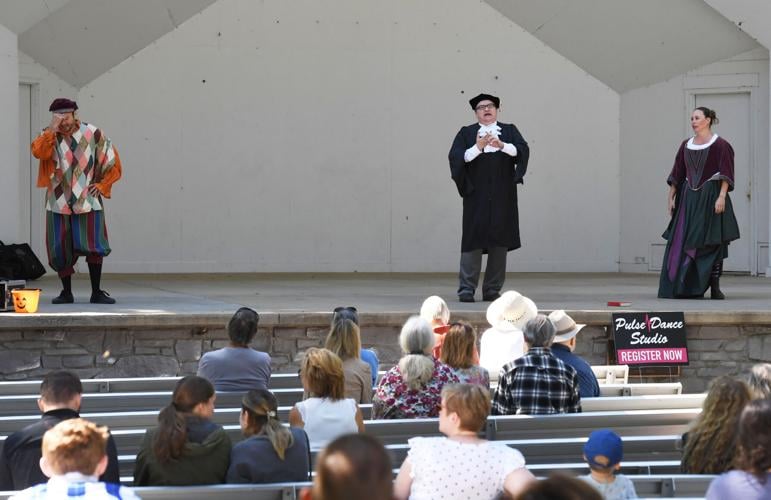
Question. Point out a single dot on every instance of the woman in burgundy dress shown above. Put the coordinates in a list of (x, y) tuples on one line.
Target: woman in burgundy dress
[(703, 221)]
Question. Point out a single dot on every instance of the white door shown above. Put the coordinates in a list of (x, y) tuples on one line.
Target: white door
[(32, 197), (733, 112)]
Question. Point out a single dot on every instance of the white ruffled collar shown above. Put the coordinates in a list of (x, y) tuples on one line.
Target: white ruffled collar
[(691, 145)]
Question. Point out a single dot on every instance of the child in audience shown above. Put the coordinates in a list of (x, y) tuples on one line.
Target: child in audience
[(74, 456), (604, 452)]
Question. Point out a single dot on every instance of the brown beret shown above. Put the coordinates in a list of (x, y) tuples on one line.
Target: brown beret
[(62, 105)]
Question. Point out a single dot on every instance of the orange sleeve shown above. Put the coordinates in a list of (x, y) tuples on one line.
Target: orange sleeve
[(112, 175), (43, 149)]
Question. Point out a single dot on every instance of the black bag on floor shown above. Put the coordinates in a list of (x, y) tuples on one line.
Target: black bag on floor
[(19, 262)]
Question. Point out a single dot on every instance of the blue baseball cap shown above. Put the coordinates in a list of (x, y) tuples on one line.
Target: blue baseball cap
[(604, 448)]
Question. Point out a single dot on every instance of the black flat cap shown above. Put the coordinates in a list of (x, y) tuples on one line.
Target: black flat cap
[(484, 97)]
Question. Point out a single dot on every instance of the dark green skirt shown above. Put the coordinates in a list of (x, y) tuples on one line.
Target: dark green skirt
[(697, 238)]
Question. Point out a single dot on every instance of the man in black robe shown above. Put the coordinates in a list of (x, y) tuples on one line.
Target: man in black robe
[(487, 161)]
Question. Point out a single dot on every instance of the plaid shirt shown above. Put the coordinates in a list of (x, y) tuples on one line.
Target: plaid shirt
[(537, 384)]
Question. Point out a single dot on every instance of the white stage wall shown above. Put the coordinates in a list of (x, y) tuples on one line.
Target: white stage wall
[(10, 227), (313, 136)]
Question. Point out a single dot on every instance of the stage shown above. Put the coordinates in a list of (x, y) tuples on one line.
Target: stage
[(214, 294), (163, 323)]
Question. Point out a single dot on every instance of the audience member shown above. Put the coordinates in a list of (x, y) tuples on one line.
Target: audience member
[(461, 465), (413, 388), (237, 367), (434, 310), (752, 478), (186, 448), (559, 487), (60, 397), (604, 452), (352, 467), (563, 348), (458, 353), (503, 342), (74, 454), (345, 341), (369, 356), (537, 383), (710, 444), (271, 453), (327, 414), (759, 381)]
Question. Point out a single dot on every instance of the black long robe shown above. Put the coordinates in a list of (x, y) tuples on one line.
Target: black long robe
[(488, 185)]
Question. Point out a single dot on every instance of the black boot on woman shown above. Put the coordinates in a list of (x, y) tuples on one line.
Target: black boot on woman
[(714, 281)]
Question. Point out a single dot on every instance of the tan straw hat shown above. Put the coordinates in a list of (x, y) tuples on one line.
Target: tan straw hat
[(566, 327)]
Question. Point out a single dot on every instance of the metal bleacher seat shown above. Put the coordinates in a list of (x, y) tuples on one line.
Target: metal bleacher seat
[(611, 374), (647, 486), (651, 389)]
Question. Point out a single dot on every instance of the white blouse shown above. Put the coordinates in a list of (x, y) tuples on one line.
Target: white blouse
[(446, 469), (325, 420)]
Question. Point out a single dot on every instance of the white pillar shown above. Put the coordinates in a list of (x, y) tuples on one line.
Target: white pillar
[(768, 264), (11, 226)]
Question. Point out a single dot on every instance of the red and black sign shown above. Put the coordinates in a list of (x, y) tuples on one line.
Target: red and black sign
[(652, 338)]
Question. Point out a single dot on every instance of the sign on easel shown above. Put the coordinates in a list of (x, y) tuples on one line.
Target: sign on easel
[(652, 338)]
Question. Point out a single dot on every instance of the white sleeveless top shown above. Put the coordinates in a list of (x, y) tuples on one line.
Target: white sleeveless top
[(326, 419)]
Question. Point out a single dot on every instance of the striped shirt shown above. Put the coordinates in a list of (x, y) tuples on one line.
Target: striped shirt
[(537, 384), (75, 485)]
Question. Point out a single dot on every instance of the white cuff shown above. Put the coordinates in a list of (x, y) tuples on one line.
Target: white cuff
[(509, 149), (471, 153)]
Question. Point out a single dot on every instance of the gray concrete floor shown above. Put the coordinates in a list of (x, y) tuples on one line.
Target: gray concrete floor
[(391, 292)]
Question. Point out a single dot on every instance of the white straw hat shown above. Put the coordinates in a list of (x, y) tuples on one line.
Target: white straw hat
[(511, 309)]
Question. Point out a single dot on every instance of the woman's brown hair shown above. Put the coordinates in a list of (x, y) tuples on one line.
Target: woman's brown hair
[(322, 374), (344, 339), (458, 346), (171, 435), (471, 402), (711, 443), (755, 439), (261, 409)]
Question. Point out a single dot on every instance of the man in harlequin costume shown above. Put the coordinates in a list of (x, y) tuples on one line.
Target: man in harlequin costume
[(78, 166)]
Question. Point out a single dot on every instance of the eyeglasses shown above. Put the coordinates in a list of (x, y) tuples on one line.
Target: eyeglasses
[(485, 107)]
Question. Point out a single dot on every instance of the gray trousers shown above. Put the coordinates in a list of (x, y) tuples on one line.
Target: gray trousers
[(471, 266)]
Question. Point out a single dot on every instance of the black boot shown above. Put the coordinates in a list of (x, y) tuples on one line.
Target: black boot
[(98, 296), (714, 288), (65, 297)]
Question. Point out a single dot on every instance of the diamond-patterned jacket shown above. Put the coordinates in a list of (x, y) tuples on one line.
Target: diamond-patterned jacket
[(68, 165)]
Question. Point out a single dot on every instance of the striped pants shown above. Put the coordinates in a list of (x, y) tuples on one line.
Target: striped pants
[(70, 236)]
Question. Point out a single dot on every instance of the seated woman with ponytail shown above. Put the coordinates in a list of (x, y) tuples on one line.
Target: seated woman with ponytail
[(413, 388), (186, 448), (271, 453)]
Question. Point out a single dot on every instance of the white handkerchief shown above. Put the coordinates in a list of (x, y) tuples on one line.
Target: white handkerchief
[(493, 129)]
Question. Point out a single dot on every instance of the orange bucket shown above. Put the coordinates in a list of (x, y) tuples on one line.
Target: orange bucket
[(25, 299)]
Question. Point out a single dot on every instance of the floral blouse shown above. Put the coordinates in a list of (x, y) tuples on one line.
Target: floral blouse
[(473, 375), (393, 399)]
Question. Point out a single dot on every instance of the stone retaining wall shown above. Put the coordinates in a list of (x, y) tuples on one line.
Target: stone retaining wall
[(102, 347)]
